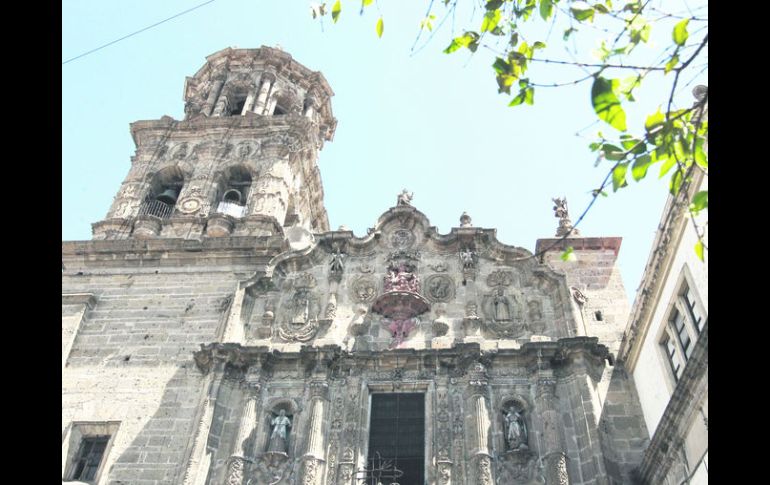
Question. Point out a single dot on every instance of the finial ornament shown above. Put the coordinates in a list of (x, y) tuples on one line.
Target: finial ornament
[(565, 225), (465, 220), (405, 198)]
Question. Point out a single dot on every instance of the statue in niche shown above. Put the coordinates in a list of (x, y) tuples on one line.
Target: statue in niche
[(280, 424), (301, 306), (535, 311), (405, 198), (516, 437), (502, 307)]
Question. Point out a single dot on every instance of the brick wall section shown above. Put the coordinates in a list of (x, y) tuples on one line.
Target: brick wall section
[(132, 362), (596, 275)]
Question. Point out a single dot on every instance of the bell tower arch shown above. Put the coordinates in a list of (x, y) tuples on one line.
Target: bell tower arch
[(242, 162)]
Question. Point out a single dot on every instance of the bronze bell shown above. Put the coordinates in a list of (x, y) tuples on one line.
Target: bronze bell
[(168, 196), (233, 196)]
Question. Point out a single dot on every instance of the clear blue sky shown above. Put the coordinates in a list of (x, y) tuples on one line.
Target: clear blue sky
[(429, 122)]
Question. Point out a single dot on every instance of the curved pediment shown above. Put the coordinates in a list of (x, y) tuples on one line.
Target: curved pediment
[(405, 285)]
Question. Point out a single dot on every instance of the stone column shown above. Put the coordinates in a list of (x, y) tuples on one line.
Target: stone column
[(555, 458), (481, 458), (314, 458), (211, 101), (248, 105), (200, 461), (246, 427), (267, 83), (271, 105)]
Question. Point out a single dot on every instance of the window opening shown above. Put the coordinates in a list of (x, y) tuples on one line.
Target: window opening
[(599, 316), (238, 107), (396, 439), (89, 457), (279, 111), (685, 323)]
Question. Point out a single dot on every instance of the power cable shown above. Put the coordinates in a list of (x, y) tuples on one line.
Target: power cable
[(137, 32)]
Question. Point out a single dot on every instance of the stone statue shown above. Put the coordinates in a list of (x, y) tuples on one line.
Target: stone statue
[(501, 306), (515, 430), (467, 258), (405, 198), (278, 436), (560, 211), (335, 267)]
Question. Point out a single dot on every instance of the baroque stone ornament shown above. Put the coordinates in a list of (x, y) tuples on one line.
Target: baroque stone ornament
[(189, 205), (465, 220), (500, 278), (579, 297), (503, 314), (516, 434), (402, 239), (439, 288), (301, 312), (363, 289), (401, 302)]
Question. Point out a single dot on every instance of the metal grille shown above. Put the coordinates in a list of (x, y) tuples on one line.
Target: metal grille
[(156, 208), (397, 438)]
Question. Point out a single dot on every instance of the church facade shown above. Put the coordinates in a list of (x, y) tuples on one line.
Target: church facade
[(216, 331)]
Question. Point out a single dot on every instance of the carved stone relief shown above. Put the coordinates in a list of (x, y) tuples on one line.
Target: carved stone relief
[(402, 239), (503, 313), (439, 288), (300, 312), (363, 289)]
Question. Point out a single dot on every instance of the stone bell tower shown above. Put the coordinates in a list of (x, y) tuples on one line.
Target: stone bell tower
[(241, 163)]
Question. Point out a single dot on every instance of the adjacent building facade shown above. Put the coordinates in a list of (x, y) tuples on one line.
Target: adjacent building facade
[(666, 344), (215, 330)]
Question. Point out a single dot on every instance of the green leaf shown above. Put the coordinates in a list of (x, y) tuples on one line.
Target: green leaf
[(366, 3), (700, 154), (700, 201), (568, 255), (680, 32), (640, 166), (336, 9), (671, 63), (699, 249), (612, 152), (619, 176), (654, 120), (667, 164), (676, 182), (606, 104), (501, 66), (491, 19), (380, 26), (453, 46), (529, 96), (537, 45), (568, 32), (468, 39), (493, 4), (594, 146), (601, 8), (546, 8), (582, 11), (517, 100)]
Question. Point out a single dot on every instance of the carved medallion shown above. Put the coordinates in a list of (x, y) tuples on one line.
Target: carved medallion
[(247, 149), (189, 205), (180, 151), (363, 289), (439, 288), (402, 239)]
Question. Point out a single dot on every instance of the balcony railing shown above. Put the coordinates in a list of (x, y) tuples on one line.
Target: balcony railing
[(156, 208), (231, 209)]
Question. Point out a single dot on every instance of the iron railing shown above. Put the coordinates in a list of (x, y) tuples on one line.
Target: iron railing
[(156, 208)]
